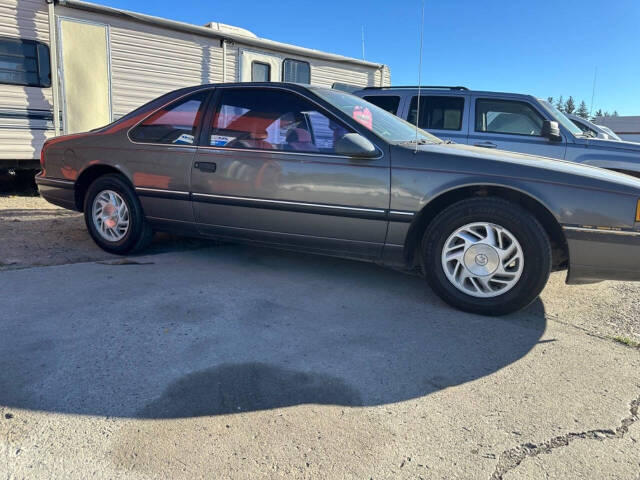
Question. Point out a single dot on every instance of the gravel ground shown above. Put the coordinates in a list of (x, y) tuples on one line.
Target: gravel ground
[(36, 233)]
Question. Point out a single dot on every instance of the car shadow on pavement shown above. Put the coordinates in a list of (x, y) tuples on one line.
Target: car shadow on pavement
[(233, 329)]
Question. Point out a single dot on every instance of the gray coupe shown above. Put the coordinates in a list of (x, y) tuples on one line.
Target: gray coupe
[(324, 171)]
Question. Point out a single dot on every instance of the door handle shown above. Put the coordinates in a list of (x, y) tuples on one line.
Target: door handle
[(485, 145), (209, 167)]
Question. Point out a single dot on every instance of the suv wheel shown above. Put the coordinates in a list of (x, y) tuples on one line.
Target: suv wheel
[(114, 216), (486, 256)]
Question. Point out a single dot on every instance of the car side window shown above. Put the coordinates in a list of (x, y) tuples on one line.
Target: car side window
[(174, 124), (585, 129), (263, 119), (437, 112), (386, 102), (507, 116)]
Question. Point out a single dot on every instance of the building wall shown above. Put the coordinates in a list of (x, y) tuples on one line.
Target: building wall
[(630, 137), (627, 127)]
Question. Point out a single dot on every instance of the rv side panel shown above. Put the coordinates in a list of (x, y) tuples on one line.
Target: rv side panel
[(148, 61), (323, 72), (25, 112)]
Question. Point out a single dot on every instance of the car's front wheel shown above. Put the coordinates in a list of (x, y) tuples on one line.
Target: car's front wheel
[(486, 256), (114, 216)]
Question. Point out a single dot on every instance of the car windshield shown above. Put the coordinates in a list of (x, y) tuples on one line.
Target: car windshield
[(610, 132), (562, 119), (384, 124)]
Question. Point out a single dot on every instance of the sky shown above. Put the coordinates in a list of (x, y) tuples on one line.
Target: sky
[(545, 48)]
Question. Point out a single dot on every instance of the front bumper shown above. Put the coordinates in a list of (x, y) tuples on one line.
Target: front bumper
[(596, 255), (57, 191)]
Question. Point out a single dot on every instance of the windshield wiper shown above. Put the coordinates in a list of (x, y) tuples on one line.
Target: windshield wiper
[(420, 141)]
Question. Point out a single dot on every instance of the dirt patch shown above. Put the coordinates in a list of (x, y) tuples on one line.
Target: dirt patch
[(35, 233)]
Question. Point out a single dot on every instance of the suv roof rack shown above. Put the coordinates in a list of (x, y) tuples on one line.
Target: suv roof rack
[(426, 87)]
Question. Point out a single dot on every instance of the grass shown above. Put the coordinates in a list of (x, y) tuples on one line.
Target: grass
[(626, 341)]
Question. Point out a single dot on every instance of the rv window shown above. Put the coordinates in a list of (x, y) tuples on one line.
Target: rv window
[(386, 102), (24, 62), (175, 124), (261, 119), (260, 72), (296, 71)]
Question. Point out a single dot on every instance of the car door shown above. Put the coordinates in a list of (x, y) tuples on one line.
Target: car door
[(446, 116), (266, 170), (513, 125), (160, 157)]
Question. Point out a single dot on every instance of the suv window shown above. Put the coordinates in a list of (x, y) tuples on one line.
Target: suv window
[(173, 124), (24, 62), (272, 120), (386, 102), (507, 116), (437, 112), (296, 71)]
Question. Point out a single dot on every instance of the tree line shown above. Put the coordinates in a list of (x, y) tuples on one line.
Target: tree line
[(581, 110)]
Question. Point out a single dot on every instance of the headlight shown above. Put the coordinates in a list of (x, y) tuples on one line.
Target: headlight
[(638, 212)]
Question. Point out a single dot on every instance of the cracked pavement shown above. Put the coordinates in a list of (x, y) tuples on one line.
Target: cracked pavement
[(238, 362)]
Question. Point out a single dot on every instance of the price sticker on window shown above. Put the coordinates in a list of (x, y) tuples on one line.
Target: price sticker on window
[(363, 115), (220, 140)]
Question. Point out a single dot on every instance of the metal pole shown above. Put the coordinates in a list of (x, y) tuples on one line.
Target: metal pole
[(53, 48), (224, 60)]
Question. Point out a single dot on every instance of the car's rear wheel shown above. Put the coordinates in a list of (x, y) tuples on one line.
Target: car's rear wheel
[(486, 256), (114, 216)]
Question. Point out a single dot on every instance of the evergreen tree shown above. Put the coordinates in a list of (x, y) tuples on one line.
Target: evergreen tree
[(560, 104), (615, 113), (550, 100), (570, 106), (596, 115), (583, 111)]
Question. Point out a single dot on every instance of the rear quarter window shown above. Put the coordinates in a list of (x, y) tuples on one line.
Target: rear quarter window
[(389, 103), (174, 124), (437, 112)]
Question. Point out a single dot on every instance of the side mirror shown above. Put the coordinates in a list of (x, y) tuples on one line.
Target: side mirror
[(551, 130), (355, 145)]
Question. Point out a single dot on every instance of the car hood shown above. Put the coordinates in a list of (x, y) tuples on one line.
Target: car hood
[(534, 161), (613, 145)]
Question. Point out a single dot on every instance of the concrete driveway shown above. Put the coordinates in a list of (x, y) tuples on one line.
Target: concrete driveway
[(239, 362)]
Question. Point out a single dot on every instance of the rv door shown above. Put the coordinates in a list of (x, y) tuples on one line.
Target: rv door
[(85, 74), (259, 67)]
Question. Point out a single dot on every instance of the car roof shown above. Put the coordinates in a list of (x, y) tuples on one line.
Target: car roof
[(575, 117), (453, 90), (293, 86)]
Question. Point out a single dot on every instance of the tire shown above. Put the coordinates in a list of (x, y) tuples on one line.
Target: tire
[(136, 235), (517, 279)]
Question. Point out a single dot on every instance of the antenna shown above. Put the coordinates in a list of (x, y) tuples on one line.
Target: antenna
[(419, 75), (362, 42), (593, 92)]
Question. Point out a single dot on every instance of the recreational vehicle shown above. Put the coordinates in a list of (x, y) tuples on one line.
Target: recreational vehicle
[(93, 64)]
